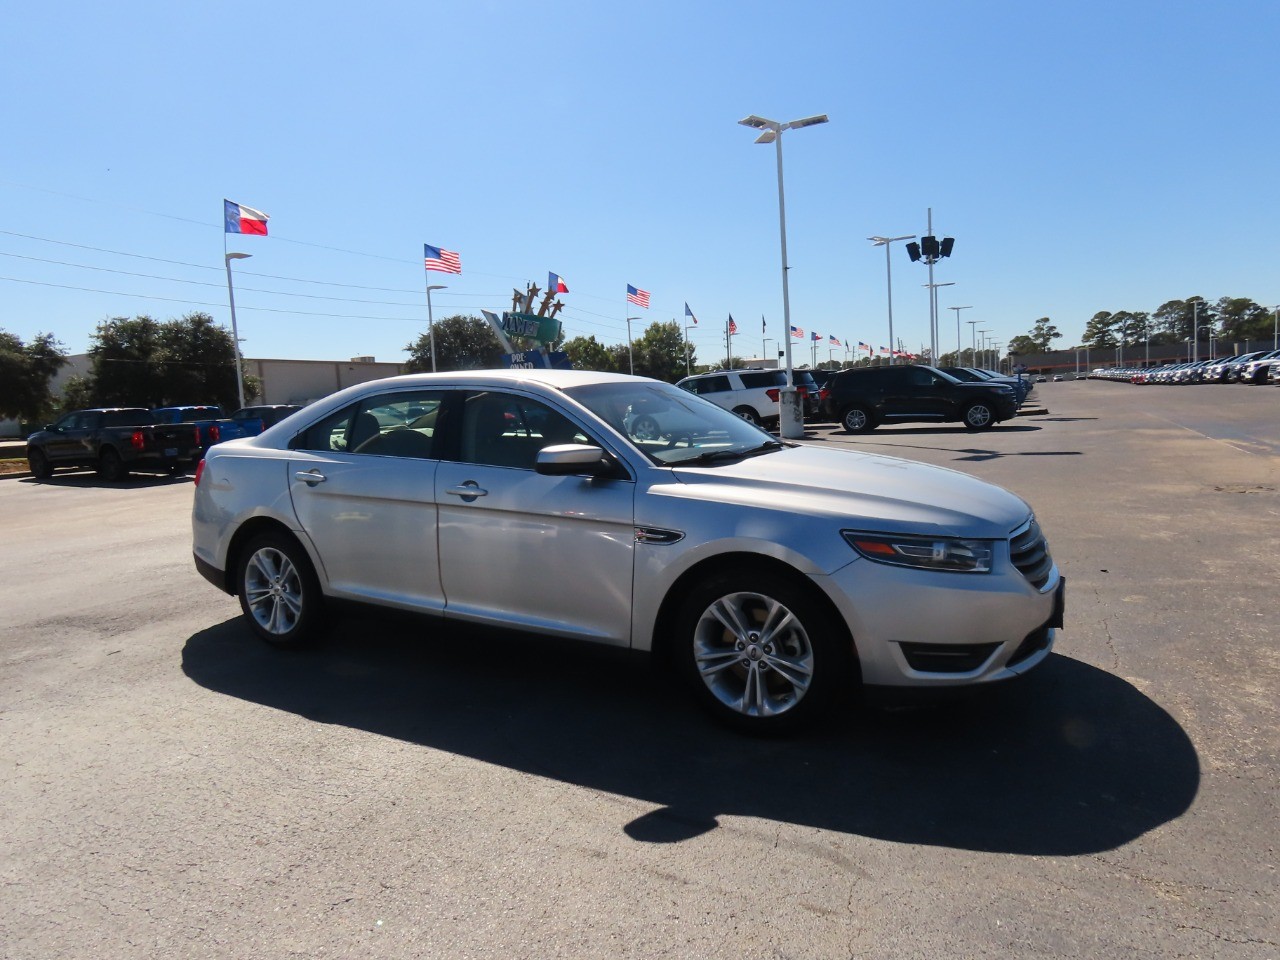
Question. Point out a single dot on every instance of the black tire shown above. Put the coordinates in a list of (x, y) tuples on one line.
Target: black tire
[(645, 428), (979, 416), (857, 419), (111, 466), (278, 590), (786, 666), (748, 414), (39, 463)]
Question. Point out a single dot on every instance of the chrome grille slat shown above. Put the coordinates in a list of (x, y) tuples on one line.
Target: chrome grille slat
[(1029, 552)]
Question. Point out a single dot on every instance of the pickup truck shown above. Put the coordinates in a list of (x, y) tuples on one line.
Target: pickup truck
[(113, 441), (214, 428), (205, 418)]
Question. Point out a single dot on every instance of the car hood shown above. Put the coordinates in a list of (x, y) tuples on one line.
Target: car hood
[(867, 491)]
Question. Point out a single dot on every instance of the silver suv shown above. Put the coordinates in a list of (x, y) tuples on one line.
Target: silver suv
[(751, 394)]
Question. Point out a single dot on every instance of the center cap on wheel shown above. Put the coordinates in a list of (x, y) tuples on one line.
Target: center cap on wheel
[(754, 652)]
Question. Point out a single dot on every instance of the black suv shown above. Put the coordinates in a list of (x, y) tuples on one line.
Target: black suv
[(862, 399)]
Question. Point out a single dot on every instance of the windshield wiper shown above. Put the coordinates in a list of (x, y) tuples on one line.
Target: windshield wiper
[(724, 456)]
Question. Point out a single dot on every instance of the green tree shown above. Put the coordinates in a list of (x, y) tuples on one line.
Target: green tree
[(141, 362), (660, 352), (122, 354), (1024, 344), (587, 353), (195, 362), (1100, 331), (25, 372), (462, 343), (1239, 318), (1044, 333), (1176, 320)]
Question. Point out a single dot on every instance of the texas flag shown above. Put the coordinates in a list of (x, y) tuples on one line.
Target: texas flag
[(816, 336), (556, 284), (242, 219)]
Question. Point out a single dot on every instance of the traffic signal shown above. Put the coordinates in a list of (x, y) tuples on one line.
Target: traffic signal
[(947, 244), (929, 246), (913, 251)]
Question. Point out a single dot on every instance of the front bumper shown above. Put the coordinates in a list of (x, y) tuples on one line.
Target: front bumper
[(950, 629)]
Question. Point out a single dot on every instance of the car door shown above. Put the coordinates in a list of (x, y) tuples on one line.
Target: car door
[(362, 482), (70, 439), (552, 554)]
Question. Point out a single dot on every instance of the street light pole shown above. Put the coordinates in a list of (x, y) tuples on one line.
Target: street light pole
[(933, 312), (888, 274), (235, 333), (431, 323), (973, 341), (790, 416), (958, 347)]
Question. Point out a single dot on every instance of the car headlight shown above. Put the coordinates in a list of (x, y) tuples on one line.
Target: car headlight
[(925, 553)]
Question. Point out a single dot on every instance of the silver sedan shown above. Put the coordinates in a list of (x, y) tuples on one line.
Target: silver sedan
[(775, 577)]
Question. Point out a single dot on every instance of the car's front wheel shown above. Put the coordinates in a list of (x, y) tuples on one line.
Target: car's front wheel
[(645, 428), (979, 416), (40, 466), (278, 590), (760, 652)]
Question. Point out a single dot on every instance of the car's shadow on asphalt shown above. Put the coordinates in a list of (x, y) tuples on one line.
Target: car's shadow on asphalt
[(135, 481), (1070, 760)]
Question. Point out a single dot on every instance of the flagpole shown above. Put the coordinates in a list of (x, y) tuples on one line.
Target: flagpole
[(431, 323), (728, 344)]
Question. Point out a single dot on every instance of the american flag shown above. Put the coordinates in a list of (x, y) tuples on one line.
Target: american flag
[(834, 341), (443, 261), (797, 332), (733, 325), (864, 346), (637, 296)]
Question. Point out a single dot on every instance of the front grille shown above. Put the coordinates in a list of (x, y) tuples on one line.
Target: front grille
[(947, 657), (1029, 552)]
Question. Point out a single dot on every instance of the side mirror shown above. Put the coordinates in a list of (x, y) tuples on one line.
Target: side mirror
[(572, 459)]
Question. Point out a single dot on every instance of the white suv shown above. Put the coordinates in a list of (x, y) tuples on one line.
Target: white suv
[(751, 394)]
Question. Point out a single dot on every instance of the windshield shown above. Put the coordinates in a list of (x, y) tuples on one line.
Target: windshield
[(671, 426)]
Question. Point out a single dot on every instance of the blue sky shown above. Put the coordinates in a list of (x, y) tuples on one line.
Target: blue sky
[(1085, 156)]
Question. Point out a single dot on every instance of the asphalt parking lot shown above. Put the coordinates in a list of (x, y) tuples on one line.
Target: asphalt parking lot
[(172, 787)]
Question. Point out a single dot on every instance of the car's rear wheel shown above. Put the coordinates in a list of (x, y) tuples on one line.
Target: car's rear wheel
[(748, 414), (111, 466), (278, 590), (759, 651), (857, 419), (40, 466), (979, 416)]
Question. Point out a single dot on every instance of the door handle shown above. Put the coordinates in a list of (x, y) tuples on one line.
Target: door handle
[(468, 491), (310, 477)]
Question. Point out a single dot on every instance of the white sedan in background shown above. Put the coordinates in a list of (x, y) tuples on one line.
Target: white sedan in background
[(774, 577)]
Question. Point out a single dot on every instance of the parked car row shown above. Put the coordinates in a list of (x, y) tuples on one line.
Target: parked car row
[(860, 399), (116, 440), (1258, 367)]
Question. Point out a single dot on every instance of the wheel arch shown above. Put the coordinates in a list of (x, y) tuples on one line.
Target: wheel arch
[(251, 528), (661, 642)]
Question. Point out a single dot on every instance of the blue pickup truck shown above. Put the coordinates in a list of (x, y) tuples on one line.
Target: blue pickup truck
[(214, 427)]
